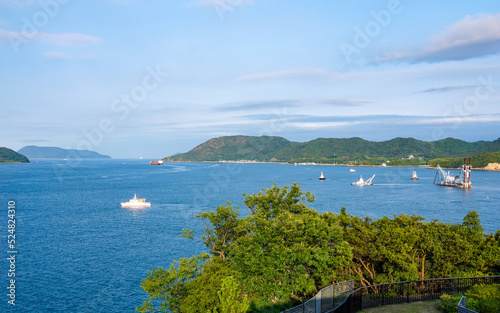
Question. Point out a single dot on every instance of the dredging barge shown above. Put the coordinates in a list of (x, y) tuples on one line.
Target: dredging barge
[(460, 181)]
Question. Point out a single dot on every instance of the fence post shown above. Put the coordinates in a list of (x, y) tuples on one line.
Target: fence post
[(318, 302), (408, 292)]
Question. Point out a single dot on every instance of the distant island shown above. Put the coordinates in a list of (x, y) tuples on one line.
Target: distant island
[(347, 151), (35, 152), (10, 156)]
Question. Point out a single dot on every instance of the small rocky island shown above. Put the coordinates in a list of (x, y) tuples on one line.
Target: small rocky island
[(10, 156)]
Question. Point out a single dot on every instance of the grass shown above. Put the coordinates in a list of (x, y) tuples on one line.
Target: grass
[(414, 307)]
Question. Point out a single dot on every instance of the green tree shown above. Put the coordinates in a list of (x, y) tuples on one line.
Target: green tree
[(220, 229), (406, 248), (203, 293), (231, 298), (283, 252), (167, 288), (287, 250)]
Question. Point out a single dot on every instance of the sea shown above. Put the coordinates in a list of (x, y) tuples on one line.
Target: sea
[(76, 249)]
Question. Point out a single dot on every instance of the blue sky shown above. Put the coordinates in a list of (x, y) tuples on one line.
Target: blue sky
[(132, 78)]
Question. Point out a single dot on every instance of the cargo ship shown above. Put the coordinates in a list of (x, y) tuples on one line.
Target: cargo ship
[(160, 162)]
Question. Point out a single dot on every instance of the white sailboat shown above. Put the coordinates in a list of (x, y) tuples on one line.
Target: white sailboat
[(321, 177)]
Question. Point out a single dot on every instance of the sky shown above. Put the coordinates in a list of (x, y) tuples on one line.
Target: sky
[(151, 78)]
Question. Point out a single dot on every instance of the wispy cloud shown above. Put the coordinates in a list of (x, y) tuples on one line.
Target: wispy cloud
[(344, 102), (457, 120), (286, 103), (471, 37), (63, 39), (448, 88), (257, 105), (55, 55), (289, 73)]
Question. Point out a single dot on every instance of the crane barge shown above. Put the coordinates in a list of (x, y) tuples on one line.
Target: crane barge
[(459, 181)]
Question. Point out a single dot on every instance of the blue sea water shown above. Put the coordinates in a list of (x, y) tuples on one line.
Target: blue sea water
[(79, 251)]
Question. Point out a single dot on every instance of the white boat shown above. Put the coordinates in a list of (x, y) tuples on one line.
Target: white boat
[(136, 203), (362, 182), (321, 177), (414, 176), (352, 170)]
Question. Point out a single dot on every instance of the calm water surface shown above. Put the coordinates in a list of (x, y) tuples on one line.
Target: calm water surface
[(79, 251)]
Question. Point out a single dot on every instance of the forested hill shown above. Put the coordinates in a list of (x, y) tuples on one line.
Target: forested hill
[(10, 156), (331, 150), (35, 152), (235, 148)]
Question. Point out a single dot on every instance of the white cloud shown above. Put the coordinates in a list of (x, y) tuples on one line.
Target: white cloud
[(470, 37), (449, 88), (55, 55), (323, 125), (457, 120), (69, 39), (63, 39), (289, 73)]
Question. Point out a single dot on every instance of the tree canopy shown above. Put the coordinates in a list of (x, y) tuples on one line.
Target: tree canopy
[(284, 252)]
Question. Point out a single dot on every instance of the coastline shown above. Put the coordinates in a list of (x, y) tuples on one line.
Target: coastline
[(327, 164)]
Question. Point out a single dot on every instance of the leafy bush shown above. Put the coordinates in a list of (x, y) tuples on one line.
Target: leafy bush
[(480, 298), (448, 303)]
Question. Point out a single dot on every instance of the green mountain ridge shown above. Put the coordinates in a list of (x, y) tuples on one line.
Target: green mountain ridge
[(10, 156), (333, 150), (36, 152), (234, 148)]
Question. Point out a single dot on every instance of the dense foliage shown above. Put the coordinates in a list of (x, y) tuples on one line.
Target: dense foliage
[(234, 148), (479, 160), (480, 298), (10, 156), (406, 248), (333, 150), (284, 252)]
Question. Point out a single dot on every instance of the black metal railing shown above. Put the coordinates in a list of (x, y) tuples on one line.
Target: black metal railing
[(326, 299), (409, 291), (341, 298)]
